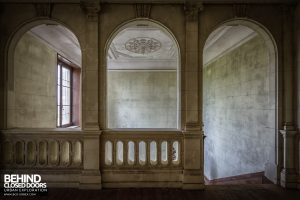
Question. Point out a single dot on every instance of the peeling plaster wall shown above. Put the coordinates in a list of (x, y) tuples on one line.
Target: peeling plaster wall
[(142, 99), (239, 112), (32, 103)]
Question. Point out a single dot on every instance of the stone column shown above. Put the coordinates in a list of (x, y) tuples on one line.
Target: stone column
[(91, 177), (193, 140), (90, 78), (288, 177)]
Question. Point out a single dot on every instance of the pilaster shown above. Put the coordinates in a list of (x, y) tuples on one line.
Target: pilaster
[(193, 136), (193, 93), (288, 175), (91, 176), (90, 77)]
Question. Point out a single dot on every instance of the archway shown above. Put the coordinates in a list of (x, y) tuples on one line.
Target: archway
[(143, 80), (240, 104), (44, 77)]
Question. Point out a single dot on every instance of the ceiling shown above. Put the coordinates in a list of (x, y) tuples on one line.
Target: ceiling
[(59, 38), (225, 39), (142, 48)]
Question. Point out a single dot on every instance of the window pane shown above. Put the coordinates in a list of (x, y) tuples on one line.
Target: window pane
[(65, 115), (63, 95), (66, 77), (66, 96)]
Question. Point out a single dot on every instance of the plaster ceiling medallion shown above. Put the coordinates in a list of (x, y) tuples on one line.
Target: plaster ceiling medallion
[(142, 45)]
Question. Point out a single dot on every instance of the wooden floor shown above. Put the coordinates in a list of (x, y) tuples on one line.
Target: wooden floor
[(212, 192)]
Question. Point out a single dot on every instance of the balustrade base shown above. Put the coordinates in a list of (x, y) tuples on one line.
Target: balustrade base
[(142, 178), (193, 180), (288, 178), (90, 180)]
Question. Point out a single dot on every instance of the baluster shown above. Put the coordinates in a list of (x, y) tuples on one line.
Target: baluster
[(81, 152), (125, 152), (71, 149), (148, 152), (170, 152), (59, 153), (114, 152), (158, 146), (137, 155)]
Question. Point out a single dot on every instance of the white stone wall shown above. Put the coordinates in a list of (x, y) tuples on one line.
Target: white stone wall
[(239, 112), (32, 102), (142, 99)]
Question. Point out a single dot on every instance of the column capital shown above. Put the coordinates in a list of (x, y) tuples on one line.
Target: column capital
[(91, 8), (142, 10), (191, 9), (240, 10), (43, 9)]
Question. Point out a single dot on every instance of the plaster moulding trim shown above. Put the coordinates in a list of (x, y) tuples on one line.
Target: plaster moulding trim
[(241, 42), (142, 10), (91, 9), (192, 9), (44, 9)]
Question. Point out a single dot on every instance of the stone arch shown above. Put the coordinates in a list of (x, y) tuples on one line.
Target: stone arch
[(10, 47), (271, 171), (168, 32)]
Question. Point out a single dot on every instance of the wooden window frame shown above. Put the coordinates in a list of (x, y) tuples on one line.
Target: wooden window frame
[(62, 63)]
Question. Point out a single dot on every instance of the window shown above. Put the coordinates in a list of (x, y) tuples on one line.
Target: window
[(64, 95)]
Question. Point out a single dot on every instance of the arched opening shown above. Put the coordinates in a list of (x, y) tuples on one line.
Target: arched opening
[(44, 77), (239, 104), (143, 77)]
